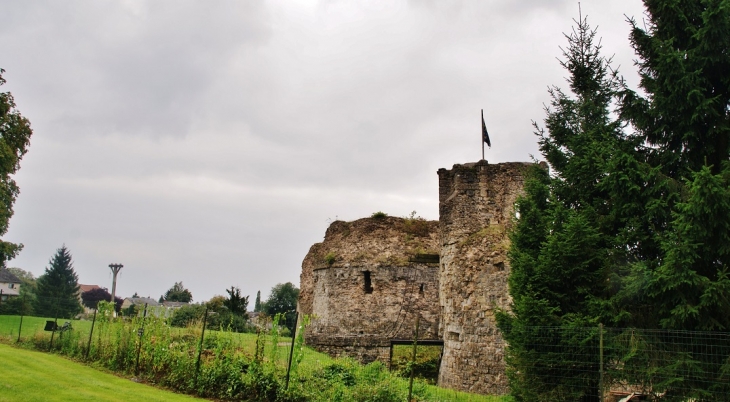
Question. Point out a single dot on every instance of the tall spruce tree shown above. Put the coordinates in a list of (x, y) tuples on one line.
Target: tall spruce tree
[(630, 228), (684, 60), (58, 288), (563, 244), (684, 116)]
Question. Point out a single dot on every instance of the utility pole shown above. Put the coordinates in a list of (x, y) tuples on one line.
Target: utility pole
[(115, 270)]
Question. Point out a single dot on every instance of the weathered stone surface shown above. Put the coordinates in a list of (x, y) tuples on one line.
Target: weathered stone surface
[(476, 209), (367, 283), (455, 298)]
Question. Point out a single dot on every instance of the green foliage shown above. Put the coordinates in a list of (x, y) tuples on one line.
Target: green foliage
[(684, 56), (187, 315), (15, 133), (235, 303), (631, 226), (58, 288), (230, 366), (177, 293), (92, 297), (283, 300), (330, 258), (257, 305), (379, 215), (415, 225)]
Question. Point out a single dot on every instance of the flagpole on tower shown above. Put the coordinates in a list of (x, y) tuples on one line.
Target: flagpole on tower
[(485, 135)]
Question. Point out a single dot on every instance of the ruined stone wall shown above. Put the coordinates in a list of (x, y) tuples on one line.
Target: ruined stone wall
[(366, 283), (476, 209)]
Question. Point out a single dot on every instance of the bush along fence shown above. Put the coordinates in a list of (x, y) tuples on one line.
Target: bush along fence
[(215, 362)]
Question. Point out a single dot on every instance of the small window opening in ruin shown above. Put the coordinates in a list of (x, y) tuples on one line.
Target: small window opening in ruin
[(368, 283), (420, 289)]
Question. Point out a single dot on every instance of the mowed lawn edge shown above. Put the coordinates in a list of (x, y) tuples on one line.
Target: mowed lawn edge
[(37, 376)]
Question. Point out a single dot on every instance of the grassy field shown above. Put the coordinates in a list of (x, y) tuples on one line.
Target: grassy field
[(168, 356), (36, 376)]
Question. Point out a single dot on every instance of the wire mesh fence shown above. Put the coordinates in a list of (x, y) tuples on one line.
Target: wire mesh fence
[(611, 364), (557, 364)]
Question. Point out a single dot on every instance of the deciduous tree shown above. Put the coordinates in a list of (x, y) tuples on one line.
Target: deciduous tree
[(15, 133), (283, 300), (177, 293)]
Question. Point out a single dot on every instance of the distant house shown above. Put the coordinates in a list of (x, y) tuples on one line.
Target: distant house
[(86, 288), (83, 289), (139, 302), (9, 285), (173, 305)]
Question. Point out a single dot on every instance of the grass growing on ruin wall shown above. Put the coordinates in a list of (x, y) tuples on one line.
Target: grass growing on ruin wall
[(232, 366)]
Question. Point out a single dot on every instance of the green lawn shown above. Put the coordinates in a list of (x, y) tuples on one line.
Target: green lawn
[(36, 376)]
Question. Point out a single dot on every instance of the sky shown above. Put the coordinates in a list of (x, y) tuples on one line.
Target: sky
[(213, 142)]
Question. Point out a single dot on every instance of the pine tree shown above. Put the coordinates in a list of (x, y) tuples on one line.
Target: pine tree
[(58, 288), (684, 59), (630, 228), (563, 246)]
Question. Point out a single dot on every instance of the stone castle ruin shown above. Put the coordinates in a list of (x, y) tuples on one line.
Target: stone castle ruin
[(370, 279), (366, 284)]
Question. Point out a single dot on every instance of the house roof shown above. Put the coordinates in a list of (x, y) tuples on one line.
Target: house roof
[(8, 277), (173, 304), (142, 300), (86, 288)]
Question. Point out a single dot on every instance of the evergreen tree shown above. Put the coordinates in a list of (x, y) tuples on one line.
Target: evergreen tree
[(257, 304), (58, 288), (15, 135), (684, 59), (563, 244), (630, 228)]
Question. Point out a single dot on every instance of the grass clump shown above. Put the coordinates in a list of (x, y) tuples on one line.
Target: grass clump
[(415, 226), (330, 258), (379, 215)]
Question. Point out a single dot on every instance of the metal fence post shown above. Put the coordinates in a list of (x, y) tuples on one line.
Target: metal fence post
[(140, 333), (55, 320), (22, 311), (88, 345), (413, 361), (600, 353), (291, 351), (200, 347)]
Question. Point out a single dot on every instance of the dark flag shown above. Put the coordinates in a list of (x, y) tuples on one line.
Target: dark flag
[(485, 134)]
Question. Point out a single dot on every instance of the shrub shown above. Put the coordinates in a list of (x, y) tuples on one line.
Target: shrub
[(379, 215), (330, 258)]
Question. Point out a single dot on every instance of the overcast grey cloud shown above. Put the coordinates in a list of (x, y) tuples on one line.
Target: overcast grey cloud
[(212, 142)]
